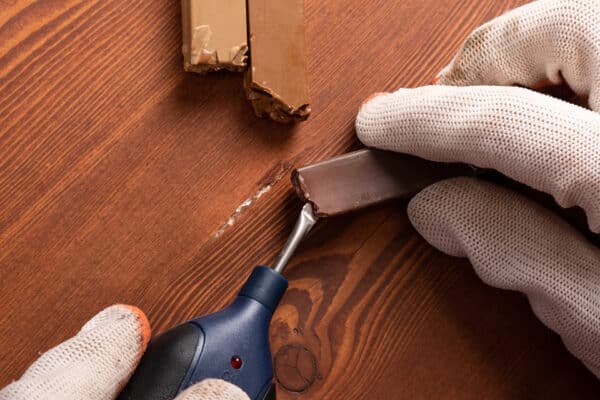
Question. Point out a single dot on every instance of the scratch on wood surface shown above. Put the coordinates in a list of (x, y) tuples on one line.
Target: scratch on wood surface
[(240, 209), (274, 175)]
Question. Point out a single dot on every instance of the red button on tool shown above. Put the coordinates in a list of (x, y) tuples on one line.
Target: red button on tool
[(236, 362)]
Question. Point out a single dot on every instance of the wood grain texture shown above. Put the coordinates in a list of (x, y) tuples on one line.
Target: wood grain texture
[(119, 173)]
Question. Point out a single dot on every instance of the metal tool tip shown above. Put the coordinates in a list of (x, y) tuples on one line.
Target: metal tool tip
[(309, 213), (304, 224)]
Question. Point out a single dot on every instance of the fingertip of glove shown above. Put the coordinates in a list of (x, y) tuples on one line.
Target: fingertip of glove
[(441, 77), (365, 117), (372, 96), (431, 212), (123, 315), (144, 324), (370, 99), (452, 74)]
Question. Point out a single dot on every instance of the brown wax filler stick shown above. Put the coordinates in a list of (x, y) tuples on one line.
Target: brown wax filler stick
[(276, 82), (214, 35), (368, 177)]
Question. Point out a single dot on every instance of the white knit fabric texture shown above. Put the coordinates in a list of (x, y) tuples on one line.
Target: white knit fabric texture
[(542, 40), (94, 365), (548, 144), (515, 244), (213, 389)]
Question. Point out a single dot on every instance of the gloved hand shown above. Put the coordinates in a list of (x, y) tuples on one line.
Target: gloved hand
[(98, 361), (550, 145)]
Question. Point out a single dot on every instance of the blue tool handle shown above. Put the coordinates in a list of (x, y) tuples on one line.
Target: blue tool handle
[(232, 344)]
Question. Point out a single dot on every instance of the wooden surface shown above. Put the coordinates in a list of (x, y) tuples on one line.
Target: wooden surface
[(119, 173)]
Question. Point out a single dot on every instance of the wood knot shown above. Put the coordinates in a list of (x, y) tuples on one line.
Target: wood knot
[(295, 367)]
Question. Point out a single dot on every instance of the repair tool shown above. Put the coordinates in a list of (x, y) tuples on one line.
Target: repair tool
[(232, 344)]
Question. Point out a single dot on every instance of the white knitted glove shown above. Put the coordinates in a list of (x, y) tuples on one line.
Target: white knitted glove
[(547, 40), (545, 143), (98, 361)]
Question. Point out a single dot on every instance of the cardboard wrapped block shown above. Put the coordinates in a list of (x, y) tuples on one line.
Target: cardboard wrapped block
[(214, 35), (276, 82)]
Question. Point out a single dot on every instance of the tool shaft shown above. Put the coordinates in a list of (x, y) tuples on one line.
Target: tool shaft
[(304, 224)]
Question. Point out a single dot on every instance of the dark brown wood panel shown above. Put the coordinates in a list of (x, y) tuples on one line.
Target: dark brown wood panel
[(124, 180)]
